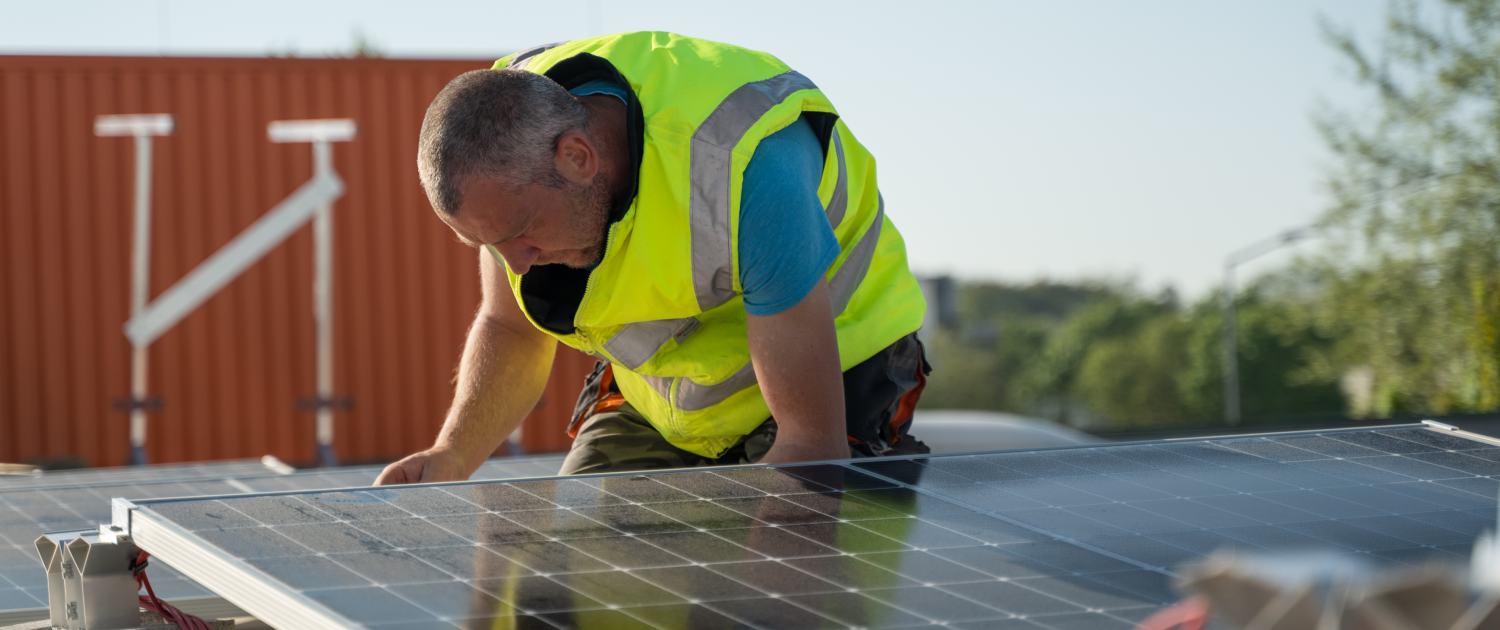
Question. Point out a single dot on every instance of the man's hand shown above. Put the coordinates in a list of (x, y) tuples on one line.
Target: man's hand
[(796, 358), (430, 466)]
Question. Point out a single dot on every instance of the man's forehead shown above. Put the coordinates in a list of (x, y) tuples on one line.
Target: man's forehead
[(490, 212)]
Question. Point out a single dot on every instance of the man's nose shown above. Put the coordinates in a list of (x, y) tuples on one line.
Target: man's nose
[(518, 257)]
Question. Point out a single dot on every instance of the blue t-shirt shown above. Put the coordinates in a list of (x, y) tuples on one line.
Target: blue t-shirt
[(785, 242)]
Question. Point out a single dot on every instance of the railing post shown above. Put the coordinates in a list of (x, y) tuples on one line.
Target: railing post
[(143, 127), (323, 309), (312, 200), (321, 133)]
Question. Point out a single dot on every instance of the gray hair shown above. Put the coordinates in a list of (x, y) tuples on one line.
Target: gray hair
[(500, 124)]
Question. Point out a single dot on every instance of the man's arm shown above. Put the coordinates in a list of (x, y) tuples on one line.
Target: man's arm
[(796, 358), (505, 365)]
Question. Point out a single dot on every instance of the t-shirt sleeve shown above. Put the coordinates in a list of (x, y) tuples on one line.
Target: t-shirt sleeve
[(785, 242)]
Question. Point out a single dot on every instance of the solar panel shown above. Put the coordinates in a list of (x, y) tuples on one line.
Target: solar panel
[(1076, 537), (71, 500), (115, 475)]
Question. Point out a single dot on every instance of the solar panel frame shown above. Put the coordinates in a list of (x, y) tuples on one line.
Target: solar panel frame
[(281, 605)]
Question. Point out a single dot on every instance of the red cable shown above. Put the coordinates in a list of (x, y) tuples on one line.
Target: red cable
[(1188, 614), (151, 602)]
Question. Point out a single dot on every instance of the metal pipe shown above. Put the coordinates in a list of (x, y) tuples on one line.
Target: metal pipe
[(323, 308), (1231, 326), (142, 127), (231, 260), (140, 292), (1231, 352)]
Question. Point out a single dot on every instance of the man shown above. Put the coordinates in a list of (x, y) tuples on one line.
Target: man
[(696, 216)]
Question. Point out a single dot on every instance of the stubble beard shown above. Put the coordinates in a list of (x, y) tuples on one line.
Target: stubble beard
[(591, 207)]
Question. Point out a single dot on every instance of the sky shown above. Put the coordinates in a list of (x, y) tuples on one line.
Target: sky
[(1015, 139)]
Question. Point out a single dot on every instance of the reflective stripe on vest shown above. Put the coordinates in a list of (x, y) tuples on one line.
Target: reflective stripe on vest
[(519, 61), (636, 343), (692, 396), (841, 289), (839, 202), (709, 204)]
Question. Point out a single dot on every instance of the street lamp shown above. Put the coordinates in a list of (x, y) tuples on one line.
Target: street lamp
[(1231, 338)]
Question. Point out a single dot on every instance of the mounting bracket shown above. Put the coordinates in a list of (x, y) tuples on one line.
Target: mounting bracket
[(90, 585)]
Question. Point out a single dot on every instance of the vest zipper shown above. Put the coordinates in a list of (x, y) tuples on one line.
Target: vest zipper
[(595, 348)]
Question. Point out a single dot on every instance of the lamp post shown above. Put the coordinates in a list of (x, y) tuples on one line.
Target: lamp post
[(1231, 337)]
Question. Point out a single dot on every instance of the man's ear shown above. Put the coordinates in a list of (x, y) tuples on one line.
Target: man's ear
[(577, 159)]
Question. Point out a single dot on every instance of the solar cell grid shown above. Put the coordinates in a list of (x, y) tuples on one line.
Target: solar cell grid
[(1078, 537), (71, 500)]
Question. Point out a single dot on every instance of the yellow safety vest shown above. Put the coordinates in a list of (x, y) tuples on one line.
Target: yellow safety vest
[(664, 304)]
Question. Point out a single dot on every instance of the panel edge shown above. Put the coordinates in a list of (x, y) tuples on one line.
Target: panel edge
[(241, 585)]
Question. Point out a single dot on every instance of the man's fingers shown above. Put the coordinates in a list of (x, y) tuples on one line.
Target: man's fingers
[(396, 474), (392, 475), (420, 468)]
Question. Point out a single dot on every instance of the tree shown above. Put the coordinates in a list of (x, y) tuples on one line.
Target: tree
[(1108, 364), (1132, 379), (360, 47), (1411, 280), (1281, 354), (1003, 328), (1108, 357)]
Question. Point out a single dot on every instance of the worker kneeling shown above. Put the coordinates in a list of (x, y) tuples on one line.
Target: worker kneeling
[(695, 215)]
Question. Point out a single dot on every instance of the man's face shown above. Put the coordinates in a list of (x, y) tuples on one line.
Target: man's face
[(537, 224)]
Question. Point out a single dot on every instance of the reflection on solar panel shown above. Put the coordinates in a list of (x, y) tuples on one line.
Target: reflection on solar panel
[(1079, 537), (71, 500)]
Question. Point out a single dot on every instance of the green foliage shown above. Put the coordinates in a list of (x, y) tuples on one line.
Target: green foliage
[(1279, 355), (1044, 301), (1110, 358), (1412, 272), (1003, 327), (1067, 380), (360, 47), (1132, 378)]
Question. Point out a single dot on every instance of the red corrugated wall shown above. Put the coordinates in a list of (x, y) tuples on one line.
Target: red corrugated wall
[(231, 373)]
